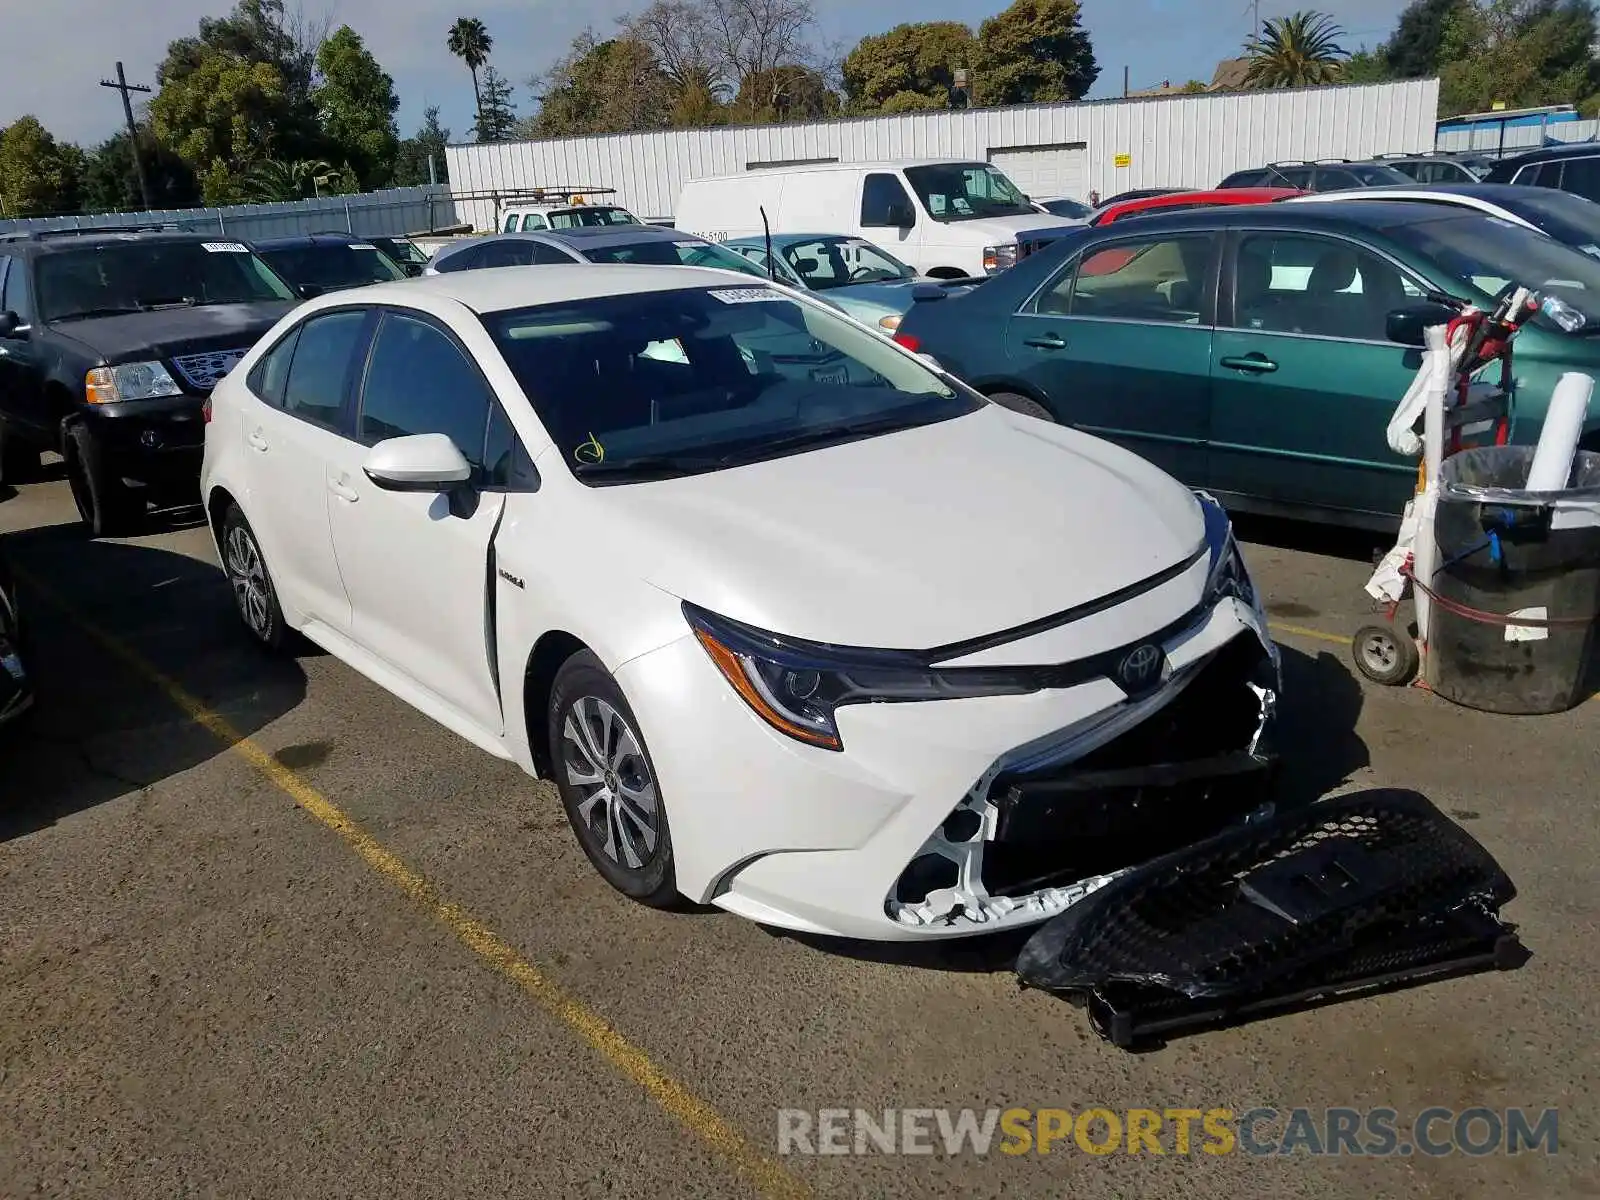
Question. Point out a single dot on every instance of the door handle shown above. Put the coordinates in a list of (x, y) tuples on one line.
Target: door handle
[(1048, 341), (343, 490), (1256, 364), (257, 441)]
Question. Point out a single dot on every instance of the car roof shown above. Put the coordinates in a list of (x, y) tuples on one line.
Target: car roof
[(51, 244), (1210, 196), (1331, 214), (1546, 153), (309, 239), (498, 289)]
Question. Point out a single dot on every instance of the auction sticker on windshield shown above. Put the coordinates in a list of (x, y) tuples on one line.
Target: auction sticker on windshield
[(746, 295), (226, 247)]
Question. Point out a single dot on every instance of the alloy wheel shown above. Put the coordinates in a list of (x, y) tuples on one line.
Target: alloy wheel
[(603, 760), (248, 575)]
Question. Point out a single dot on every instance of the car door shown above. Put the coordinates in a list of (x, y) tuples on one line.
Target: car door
[(22, 394), (294, 425), (416, 564), (1304, 380), (1119, 343), (885, 208)]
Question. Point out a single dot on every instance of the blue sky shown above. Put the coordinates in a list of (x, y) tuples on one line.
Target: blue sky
[(55, 54)]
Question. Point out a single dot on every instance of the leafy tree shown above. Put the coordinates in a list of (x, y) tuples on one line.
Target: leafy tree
[(613, 86), (681, 37), (411, 159), (1195, 85), (497, 115), (908, 60), (223, 110), (1367, 66), (271, 180), (1300, 50), (1036, 50), (1412, 51), (469, 41), (785, 93), (112, 184), (356, 101), (911, 102), (1521, 52), (38, 175)]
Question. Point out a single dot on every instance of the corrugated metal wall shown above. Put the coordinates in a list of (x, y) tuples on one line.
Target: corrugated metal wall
[(372, 214), (1180, 141), (1517, 137)]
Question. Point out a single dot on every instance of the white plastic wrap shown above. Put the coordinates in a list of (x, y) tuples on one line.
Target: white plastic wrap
[(1558, 440)]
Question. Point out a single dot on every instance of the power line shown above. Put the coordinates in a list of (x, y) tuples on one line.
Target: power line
[(125, 88)]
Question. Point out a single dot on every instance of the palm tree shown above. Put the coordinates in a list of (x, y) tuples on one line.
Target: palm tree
[(272, 179), (1301, 50), (470, 42)]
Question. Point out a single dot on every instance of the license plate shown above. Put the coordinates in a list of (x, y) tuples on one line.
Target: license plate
[(838, 376)]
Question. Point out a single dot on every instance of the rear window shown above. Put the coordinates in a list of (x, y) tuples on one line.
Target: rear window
[(133, 276), (590, 215)]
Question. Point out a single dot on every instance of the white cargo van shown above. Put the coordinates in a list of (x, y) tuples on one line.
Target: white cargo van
[(946, 218)]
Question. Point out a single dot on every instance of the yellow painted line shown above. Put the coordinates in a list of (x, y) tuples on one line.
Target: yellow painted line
[(1315, 635), (764, 1174)]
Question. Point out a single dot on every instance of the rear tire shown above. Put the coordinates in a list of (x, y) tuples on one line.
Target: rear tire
[(254, 593), (107, 505), (19, 461), (607, 782), (1022, 404)]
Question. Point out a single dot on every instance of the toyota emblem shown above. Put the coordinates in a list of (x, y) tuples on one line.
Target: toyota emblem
[(1140, 668)]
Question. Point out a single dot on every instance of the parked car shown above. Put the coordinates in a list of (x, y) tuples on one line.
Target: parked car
[(948, 219), (1252, 350), (1064, 206), (1565, 216), (1570, 168), (327, 262), (861, 279), (563, 211), (109, 344), (1437, 166), (16, 688), (1324, 175), (636, 244), (1137, 194), (1180, 201), (706, 582), (406, 254)]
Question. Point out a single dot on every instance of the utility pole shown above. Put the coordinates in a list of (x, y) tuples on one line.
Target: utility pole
[(124, 87)]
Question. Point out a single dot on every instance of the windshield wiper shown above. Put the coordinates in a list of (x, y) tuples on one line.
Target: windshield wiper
[(167, 302), (108, 311), (650, 466)]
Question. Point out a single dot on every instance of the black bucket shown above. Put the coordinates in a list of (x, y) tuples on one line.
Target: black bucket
[(1516, 585)]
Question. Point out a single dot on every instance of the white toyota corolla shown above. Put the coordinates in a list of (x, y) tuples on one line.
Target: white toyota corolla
[(797, 624)]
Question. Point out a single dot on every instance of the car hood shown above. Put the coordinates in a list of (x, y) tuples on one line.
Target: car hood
[(916, 539), (170, 332)]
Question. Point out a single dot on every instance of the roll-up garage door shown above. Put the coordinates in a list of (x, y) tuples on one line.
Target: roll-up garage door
[(1044, 172)]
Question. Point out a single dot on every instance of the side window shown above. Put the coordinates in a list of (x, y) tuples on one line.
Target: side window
[(511, 224), (880, 194), (1158, 280), (532, 221), (15, 297), (1298, 177), (1244, 179), (1331, 179), (1545, 174), (1582, 175), (318, 375), (506, 462), (544, 256), (1320, 287), (509, 253), (269, 377), (419, 381)]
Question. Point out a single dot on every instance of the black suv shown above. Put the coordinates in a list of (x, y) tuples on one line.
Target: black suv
[(315, 263), (110, 343), (1574, 167), (1323, 175)]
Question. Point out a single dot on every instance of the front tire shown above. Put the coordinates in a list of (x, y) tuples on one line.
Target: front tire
[(607, 782), (254, 593), (108, 506), (1025, 405)]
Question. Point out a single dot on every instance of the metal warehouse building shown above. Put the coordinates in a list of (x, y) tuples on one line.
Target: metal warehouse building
[(1048, 149)]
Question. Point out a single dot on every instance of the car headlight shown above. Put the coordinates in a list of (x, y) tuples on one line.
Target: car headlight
[(797, 686), (1228, 576), (998, 258), (129, 381)]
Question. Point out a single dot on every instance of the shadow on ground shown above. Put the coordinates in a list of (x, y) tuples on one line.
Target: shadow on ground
[(1337, 541), (101, 728)]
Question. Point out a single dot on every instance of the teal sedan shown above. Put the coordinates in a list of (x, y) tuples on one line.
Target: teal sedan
[(865, 281), (1259, 351)]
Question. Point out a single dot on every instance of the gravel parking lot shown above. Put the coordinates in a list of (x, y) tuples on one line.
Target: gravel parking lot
[(270, 932)]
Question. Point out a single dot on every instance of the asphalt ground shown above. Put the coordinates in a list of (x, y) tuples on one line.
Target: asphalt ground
[(269, 932)]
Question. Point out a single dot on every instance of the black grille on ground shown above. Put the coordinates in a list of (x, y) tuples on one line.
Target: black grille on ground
[(1174, 779)]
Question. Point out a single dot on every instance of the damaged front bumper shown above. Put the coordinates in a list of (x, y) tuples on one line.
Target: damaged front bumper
[(1352, 895)]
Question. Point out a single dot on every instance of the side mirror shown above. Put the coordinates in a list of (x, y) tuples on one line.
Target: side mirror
[(924, 293), (1406, 325), (930, 360), (308, 291), (422, 462), (10, 323)]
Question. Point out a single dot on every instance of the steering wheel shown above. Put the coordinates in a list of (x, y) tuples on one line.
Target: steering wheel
[(862, 271)]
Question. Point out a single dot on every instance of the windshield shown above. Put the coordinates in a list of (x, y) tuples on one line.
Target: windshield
[(592, 214), (662, 252), (1374, 175), (840, 261), (332, 266), (655, 384), (1488, 254), (402, 252), (966, 192), (1565, 216), (115, 277), (758, 255), (1067, 208)]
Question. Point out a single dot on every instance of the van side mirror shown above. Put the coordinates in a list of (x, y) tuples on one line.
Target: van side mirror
[(1406, 325), (308, 291)]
